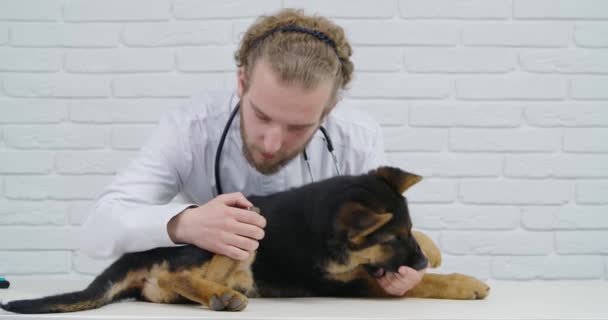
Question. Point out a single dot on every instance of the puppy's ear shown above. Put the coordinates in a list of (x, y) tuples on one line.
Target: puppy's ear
[(358, 222), (400, 180)]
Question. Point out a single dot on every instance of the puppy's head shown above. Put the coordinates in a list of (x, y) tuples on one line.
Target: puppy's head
[(372, 229)]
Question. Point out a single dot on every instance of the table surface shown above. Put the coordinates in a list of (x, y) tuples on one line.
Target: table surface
[(507, 300)]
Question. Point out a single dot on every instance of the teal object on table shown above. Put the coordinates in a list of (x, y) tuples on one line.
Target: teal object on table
[(4, 283)]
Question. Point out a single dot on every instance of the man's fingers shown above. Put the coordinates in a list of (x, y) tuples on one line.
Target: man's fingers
[(234, 252), (412, 274), (249, 231), (396, 283), (389, 285), (391, 277), (240, 242), (383, 282), (387, 280), (248, 217), (400, 282), (235, 199), (227, 250)]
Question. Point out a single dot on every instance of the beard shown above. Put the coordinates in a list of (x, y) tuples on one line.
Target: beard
[(281, 158)]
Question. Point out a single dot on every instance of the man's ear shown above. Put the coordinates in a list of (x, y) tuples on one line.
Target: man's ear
[(400, 180), (328, 110), (241, 80), (358, 222)]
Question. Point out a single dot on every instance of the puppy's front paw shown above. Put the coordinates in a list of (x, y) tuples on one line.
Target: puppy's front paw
[(465, 287)]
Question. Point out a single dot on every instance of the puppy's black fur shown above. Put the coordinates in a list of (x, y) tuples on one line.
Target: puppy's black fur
[(329, 238), (305, 232)]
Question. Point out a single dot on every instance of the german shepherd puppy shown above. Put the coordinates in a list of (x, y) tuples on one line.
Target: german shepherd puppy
[(329, 238)]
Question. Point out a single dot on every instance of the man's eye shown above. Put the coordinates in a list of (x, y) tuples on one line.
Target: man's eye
[(297, 129), (262, 118)]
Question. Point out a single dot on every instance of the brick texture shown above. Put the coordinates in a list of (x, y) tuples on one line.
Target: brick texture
[(501, 105)]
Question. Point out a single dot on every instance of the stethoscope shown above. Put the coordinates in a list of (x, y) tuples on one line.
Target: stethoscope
[(220, 147)]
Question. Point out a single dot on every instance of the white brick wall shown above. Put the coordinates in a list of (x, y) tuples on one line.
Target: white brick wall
[(501, 104)]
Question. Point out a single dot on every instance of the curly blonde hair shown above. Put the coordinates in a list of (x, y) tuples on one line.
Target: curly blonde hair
[(301, 58)]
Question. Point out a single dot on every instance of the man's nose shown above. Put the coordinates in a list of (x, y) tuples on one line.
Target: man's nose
[(273, 139)]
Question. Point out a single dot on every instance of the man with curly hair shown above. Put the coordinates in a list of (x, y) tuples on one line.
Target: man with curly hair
[(292, 69)]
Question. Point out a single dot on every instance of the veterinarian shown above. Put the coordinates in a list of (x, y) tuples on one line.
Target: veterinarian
[(279, 129)]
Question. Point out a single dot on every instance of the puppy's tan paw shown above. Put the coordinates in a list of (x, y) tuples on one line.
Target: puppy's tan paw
[(465, 287)]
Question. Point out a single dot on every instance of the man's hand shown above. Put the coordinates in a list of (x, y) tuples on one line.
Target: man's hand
[(398, 283), (222, 226)]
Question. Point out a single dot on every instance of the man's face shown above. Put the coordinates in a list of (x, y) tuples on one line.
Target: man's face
[(278, 121)]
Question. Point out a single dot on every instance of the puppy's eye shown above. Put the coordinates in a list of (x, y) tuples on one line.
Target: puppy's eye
[(389, 238), (401, 237)]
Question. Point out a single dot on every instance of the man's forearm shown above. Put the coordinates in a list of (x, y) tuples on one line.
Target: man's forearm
[(112, 229)]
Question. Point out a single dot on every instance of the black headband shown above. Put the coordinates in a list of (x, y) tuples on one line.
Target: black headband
[(293, 28)]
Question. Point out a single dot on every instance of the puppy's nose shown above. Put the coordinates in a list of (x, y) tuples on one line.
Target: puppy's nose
[(420, 263), (419, 260)]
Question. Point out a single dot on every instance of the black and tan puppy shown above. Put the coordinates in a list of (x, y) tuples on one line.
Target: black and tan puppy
[(330, 238)]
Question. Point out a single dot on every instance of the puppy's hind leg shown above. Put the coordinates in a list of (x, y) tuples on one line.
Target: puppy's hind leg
[(211, 294)]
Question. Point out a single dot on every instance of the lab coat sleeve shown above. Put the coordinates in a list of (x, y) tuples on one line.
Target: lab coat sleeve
[(133, 212)]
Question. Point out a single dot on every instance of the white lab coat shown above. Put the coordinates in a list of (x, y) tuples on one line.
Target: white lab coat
[(133, 212)]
